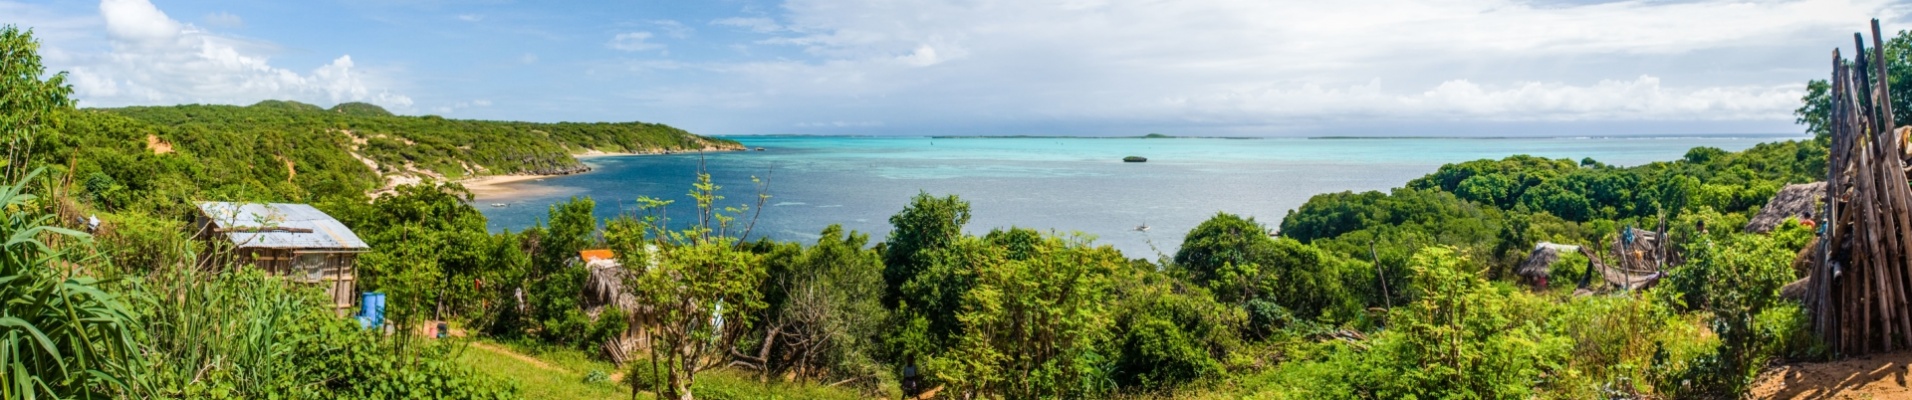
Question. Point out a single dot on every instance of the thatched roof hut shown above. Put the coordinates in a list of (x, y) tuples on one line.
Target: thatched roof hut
[(604, 282), (1540, 262), (1792, 201), (605, 287)]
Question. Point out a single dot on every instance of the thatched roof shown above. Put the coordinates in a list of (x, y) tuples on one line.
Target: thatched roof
[(604, 286), (1540, 262), (1792, 201)]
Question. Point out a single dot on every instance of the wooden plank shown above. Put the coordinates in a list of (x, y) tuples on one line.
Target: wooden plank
[(1884, 99), (1827, 315)]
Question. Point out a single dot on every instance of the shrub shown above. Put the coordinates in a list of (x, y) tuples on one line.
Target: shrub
[(61, 333), (1737, 280), (245, 334)]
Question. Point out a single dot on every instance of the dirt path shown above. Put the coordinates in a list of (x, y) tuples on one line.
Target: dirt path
[(520, 357), (1881, 376)]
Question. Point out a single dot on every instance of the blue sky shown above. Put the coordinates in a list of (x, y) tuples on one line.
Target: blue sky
[(914, 67)]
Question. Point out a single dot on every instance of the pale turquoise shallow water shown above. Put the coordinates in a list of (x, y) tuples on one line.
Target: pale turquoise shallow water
[(1064, 185)]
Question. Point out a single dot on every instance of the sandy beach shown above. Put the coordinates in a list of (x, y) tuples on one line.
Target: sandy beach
[(522, 185), (506, 186)]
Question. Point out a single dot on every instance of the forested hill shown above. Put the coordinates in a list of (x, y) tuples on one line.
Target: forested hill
[(289, 150)]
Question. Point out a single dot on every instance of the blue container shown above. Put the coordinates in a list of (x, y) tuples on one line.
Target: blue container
[(371, 310)]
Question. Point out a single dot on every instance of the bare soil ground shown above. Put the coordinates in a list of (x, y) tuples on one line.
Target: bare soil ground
[(1879, 376)]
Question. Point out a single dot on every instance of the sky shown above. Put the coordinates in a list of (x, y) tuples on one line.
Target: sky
[(982, 67)]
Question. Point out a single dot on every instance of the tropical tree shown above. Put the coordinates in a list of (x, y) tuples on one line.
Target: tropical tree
[(695, 285), (823, 310), (928, 224), (1035, 320), (29, 104)]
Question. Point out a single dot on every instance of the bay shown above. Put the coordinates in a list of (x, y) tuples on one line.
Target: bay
[(1061, 185)]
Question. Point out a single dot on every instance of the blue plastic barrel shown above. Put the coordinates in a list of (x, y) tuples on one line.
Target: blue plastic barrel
[(371, 310)]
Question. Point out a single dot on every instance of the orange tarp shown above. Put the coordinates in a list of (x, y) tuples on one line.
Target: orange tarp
[(594, 255)]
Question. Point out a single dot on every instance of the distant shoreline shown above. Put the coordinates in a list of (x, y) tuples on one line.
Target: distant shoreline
[(507, 186), (504, 186), (602, 154)]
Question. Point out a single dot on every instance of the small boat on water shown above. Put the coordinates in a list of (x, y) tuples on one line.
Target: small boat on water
[(1144, 227), (1135, 159), (759, 149), (497, 204)]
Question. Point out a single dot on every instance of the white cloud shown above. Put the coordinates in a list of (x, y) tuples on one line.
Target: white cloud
[(152, 59), (470, 17), (225, 20), (528, 58), (1642, 98), (633, 41), (454, 107), (137, 21), (672, 28), (1275, 63), (759, 24)]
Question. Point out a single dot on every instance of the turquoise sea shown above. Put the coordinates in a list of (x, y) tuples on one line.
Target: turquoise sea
[(1053, 184)]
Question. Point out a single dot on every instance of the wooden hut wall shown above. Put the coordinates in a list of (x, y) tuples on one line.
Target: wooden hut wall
[(332, 270)]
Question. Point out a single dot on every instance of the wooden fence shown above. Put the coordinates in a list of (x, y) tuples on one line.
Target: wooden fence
[(1862, 307)]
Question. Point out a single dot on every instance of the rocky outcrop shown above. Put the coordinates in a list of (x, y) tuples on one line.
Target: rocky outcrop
[(564, 170)]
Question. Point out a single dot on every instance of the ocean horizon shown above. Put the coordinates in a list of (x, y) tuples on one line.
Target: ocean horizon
[(1054, 184)]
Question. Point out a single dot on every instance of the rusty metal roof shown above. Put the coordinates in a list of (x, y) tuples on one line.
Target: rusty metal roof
[(280, 226)]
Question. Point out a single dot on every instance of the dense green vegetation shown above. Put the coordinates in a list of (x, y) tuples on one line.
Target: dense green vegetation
[(160, 159), (1408, 293)]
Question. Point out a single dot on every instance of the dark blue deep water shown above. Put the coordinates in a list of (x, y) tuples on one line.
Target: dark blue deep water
[(1062, 185)]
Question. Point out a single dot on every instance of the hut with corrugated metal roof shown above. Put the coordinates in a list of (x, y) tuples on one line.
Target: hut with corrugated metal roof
[(295, 241)]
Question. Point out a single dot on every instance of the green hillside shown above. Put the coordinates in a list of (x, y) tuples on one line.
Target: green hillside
[(289, 150)]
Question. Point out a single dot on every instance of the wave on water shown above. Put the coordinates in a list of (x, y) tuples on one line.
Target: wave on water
[(800, 234), (790, 203), (830, 206)]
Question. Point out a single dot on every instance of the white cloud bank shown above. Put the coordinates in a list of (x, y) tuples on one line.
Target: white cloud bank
[(633, 41), (154, 59), (1277, 63)]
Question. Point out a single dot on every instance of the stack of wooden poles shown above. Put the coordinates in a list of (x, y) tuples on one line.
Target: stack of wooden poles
[(1867, 247)]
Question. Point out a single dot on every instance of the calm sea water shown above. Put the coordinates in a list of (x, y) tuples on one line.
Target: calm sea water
[(1060, 185)]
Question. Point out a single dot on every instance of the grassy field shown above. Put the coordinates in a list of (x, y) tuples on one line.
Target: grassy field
[(547, 373)]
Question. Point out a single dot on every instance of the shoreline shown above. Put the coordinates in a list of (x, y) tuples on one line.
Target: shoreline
[(600, 154), (506, 186), (510, 186)]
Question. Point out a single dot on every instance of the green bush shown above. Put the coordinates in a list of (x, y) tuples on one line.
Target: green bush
[(62, 333), (1568, 270), (1165, 338), (245, 334), (1738, 281)]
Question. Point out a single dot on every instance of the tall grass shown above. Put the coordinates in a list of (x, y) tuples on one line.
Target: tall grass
[(226, 334), (61, 335), (238, 332)]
